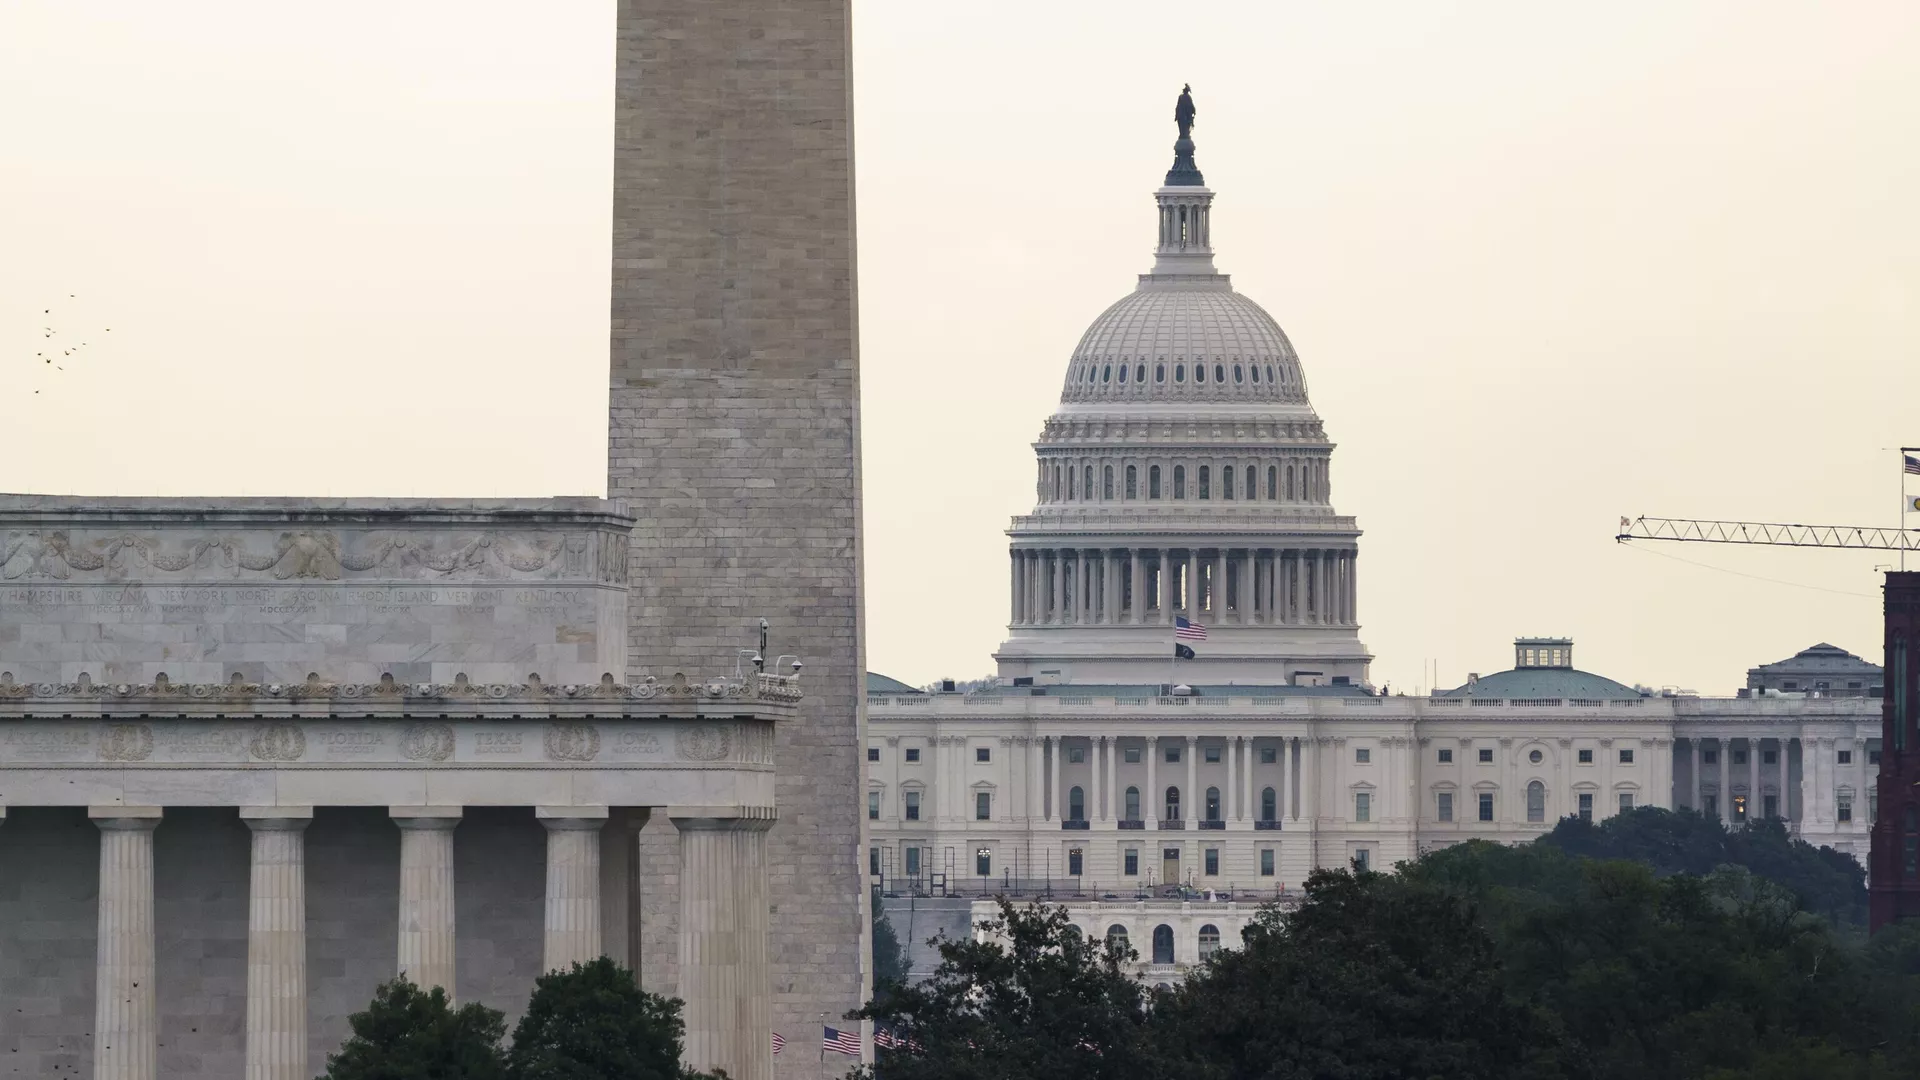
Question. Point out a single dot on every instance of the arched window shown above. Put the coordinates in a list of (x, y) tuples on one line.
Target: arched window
[(1133, 486), (1106, 482), (1219, 373), (1536, 801), (1159, 373), (1133, 804), (1086, 489), (1076, 804), (1209, 940), (1269, 804), (1273, 483), (1226, 482), (1179, 373), (1117, 936), (1056, 483), (1179, 481), (1199, 373), (1153, 481), (1289, 481), (1270, 373), (1213, 804), (1205, 474), (1140, 373), (1123, 374), (1173, 804), (1070, 475), (1163, 944), (1253, 483), (1239, 374), (1106, 373)]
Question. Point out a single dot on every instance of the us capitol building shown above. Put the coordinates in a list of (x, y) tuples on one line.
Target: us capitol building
[(1187, 476)]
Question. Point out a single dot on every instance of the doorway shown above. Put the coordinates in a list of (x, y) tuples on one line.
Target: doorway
[(1170, 865)]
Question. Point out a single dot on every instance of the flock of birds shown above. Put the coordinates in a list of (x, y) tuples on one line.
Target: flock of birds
[(48, 333)]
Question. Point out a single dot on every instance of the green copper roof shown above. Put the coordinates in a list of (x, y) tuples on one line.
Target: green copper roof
[(880, 684), (1543, 682)]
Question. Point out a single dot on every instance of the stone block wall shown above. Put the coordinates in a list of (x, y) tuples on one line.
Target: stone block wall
[(124, 589), (734, 430)]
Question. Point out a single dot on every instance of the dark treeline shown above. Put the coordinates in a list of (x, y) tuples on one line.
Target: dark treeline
[(1654, 946)]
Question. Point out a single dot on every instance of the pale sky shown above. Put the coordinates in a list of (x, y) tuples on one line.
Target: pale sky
[(1545, 264)]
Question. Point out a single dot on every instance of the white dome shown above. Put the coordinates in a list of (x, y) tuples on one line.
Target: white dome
[(1185, 341)]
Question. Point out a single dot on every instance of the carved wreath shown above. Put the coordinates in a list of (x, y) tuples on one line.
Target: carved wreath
[(278, 742), (427, 742), (572, 742)]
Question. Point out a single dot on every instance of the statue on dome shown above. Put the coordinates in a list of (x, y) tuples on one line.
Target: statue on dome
[(1183, 111)]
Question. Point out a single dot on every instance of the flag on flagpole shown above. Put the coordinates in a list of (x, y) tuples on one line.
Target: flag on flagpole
[(1188, 630), (1182, 652), (1909, 463), (1910, 504), (841, 1042), (779, 1043)]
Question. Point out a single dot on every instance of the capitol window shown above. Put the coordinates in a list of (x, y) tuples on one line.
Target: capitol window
[(1179, 481), (1712, 757), (1266, 862), (1236, 373), (1533, 756), (1106, 373), (1076, 755), (1443, 807), (1159, 373), (1153, 481), (982, 753), (1252, 485), (1140, 373), (1486, 757), (1173, 804), (1173, 755), (983, 805), (913, 805), (1133, 488), (1179, 373), (1446, 756), (1212, 755), (1087, 488), (1074, 862), (1213, 804), (1586, 806), (1123, 373), (1269, 804), (1106, 482), (1269, 755), (1626, 801), (1133, 804), (1256, 372), (1270, 377), (1486, 806), (873, 806), (1626, 757), (1846, 757), (1843, 806), (1362, 806), (873, 753), (1362, 756), (1131, 755), (1211, 864), (1219, 373), (913, 754), (1226, 482), (1199, 373), (1586, 757), (1273, 483), (1204, 475), (983, 862), (1076, 804), (1536, 801), (1132, 864)]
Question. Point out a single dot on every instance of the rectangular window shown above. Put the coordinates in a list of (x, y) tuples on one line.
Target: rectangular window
[(1739, 757), (1266, 862), (1586, 757), (1843, 806), (1626, 801), (1445, 805), (1446, 757), (1486, 806), (1873, 757), (1206, 476), (1074, 864), (913, 753), (873, 806), (982, 753), (1846, 757), (1586, 805), (1769, 757), (1132, 862), (1269, 755), (913, 862), (1362, 756), (1173, 755), (1133, 755), (1362, 806), (913, 806), (983, 862), (873, 753), (983, 806), (1213, 755), (1362, 859), (1486, 757), (1076, 755), (1626, 757), (873, 861), (1709, 757), (1212, 862)]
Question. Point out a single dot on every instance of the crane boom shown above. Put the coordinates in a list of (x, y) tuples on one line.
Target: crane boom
[(1861, 537)]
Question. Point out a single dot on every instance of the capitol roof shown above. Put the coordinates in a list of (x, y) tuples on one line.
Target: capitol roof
[(1185, 341)]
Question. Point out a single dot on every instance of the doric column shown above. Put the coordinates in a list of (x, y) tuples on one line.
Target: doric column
[(1013, 573), (1248, 592), (1189, 799), (126, 1028), (426, 893), (1297, 598), (1694, 781), (1057, 590), (1192, 607), (277, 943), (1036, 587), (573, 884), (725, 978), (1056, 802), (1166, 585), (1150, 811)]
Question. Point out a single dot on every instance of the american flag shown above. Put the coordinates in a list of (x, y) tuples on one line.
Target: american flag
[(841, 1042), (779, 1043), (887, 1040), (1188, 630), (1910, 463)]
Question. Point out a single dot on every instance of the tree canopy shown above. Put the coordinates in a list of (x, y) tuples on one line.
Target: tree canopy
[(593, 1022), (407, 1033)]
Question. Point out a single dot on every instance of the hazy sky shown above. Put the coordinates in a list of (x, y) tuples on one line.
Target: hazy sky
[(1545, 265)]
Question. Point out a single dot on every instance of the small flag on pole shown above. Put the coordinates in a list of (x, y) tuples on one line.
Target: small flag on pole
[(887, 1040), (779, 1043), (1188, 630), (1910, 504), (1909, 463), (1182, 652), (841, 1042)]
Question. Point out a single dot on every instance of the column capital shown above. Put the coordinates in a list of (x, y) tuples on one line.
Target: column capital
[(125, 817), (723, 818), (425, 817), (276, 818), (571, 817)]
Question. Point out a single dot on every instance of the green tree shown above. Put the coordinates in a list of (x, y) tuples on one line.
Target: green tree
[(889, 960), (407, 1033), (1373, 976), (1030, 998), (593, 1022)]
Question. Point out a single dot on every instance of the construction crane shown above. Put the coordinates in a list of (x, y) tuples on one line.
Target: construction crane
[(1862, 537)]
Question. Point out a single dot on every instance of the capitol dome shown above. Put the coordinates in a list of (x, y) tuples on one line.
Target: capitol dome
[(1184, 487), (1185, 342)]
